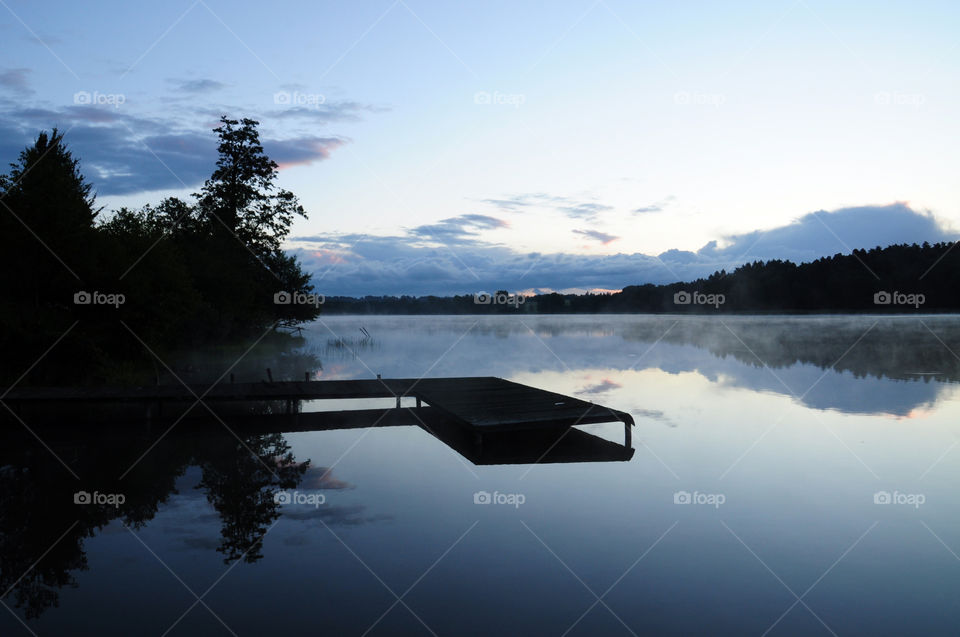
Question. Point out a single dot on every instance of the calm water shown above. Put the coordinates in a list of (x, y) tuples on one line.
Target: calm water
[(792, 476)]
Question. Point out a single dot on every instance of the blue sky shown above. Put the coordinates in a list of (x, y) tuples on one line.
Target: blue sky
[(444, 147)]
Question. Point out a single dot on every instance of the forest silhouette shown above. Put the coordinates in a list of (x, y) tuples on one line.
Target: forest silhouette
[(113, 293), (898, 278)]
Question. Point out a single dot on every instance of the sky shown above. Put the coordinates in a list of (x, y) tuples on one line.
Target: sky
[(448, 147)]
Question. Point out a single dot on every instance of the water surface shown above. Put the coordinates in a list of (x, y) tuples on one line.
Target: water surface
[(792, 476)]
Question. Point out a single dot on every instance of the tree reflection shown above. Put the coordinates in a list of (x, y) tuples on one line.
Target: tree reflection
[(43, 529), (241, 478)]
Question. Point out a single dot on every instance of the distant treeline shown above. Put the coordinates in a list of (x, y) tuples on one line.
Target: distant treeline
[(86, 298), (899, 278)]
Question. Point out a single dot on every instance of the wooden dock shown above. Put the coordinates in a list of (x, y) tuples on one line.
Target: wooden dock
[(481, 405)]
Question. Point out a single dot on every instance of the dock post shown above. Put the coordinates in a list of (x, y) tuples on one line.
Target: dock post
[(627, 436), (398, 401), (418, 402)]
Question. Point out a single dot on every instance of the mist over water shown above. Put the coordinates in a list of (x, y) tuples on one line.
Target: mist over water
[(776, 458), (825, 362)]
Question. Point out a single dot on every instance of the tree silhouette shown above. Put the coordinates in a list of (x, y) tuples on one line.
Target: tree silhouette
[(201, 274), (47, 237), (46, 217), (241, 195)]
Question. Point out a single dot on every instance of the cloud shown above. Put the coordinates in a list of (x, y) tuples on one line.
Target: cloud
[(602, 237), (367, 264), (123, 154), (602, 387), (301, 151), (360, 264), (573, 208), (822, 233), (654, 207), (321, 113), (458, 230), (586, 211), (510, 204), (204, 85), (16, 80)]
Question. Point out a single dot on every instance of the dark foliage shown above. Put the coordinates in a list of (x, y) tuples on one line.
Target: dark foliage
[(114, 295)]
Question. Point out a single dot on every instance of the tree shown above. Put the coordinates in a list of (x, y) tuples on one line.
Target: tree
[(46, 254), (247, 217), (46, 217), (241, 195)]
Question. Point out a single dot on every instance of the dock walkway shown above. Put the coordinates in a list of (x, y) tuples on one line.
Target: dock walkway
[(482, 404)]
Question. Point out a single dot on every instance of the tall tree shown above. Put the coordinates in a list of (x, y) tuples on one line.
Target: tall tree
[(242, 196), (241, 208), (47, 214)]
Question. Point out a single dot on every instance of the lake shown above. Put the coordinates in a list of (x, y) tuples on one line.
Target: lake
[(792, 476)]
